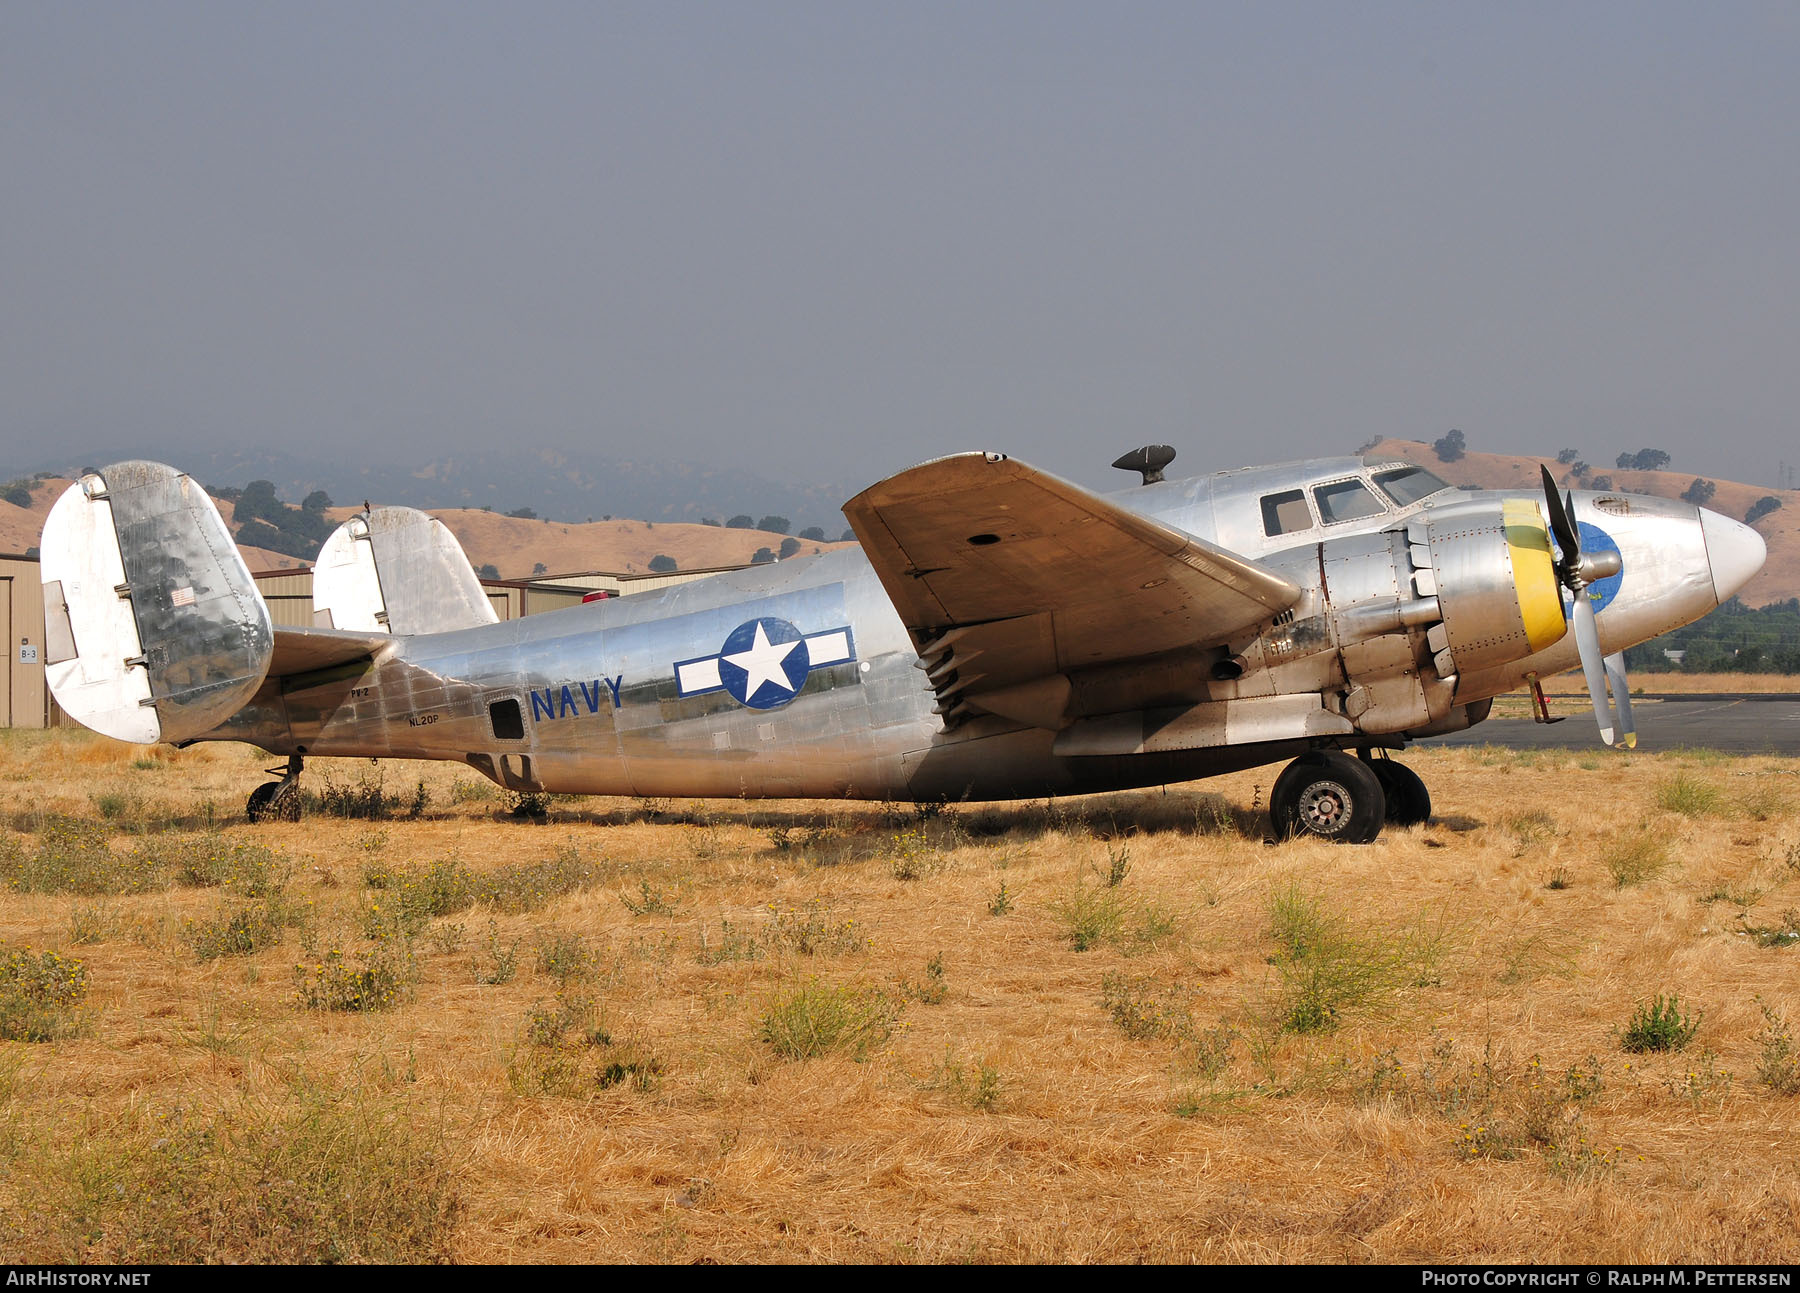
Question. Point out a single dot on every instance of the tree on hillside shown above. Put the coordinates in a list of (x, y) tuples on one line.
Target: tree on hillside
[(17, 493), (663, 564), (814, 533), (1450, 447), (540, 569), (1567, 456), (789, 546), (489, 571), (1761, 508), (741, 522), (1643, 460), (1699, 493), (1600, 482), (1578, 469), (774, 524), (848, 536), (761, 557), (316, 502), (523, 514), (258, 503)]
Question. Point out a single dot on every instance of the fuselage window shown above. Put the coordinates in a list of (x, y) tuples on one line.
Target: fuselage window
[(1346, 500), (1407, 485), (1285, 513), (509, 722)]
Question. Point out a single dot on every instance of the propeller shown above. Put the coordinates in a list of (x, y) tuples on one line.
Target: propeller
[(1576, 570)]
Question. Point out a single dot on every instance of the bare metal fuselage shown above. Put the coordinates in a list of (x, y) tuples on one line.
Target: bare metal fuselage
[(601, 709)]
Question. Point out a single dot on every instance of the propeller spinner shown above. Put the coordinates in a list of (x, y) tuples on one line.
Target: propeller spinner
[(1576, 570)]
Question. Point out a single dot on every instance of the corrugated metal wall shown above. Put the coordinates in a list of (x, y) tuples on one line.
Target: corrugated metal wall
[(26, 698)]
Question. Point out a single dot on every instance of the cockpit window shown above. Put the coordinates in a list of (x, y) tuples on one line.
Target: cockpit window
[(1407, 485), (1346, 500), (1286, 512)]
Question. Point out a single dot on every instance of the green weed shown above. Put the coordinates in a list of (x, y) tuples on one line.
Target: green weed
[(1659, 1025), (501, 962), (811, 930), (976, 1085), (1636, 859), (1146, 1009), (327, 1177), (732, 944), (811, 1019), (239, 929), (563, 956), (914, 855), (41, 995), (1689, 796), (1326, 970), (1777, 1066), (653, 900), (73, 856), (373, 980), (1094, 915), (931, 989)]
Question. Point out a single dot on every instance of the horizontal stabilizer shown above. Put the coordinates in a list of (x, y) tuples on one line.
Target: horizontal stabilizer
[(396, 570), (308, 650), (154, 630)]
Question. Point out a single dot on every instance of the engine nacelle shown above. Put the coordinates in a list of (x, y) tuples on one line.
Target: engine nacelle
[(1494, 574)]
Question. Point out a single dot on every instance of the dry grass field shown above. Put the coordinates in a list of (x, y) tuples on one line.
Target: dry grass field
[(1556, 1024)]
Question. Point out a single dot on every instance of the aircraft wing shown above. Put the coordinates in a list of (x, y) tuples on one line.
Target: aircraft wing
[(300, 650), (1037, 576)]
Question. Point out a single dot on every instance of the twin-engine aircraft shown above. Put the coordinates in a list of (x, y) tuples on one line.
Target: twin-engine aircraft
[(1000, 634)]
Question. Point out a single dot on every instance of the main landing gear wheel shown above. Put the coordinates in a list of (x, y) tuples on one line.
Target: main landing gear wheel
[(1329, 794), (1408, 802)]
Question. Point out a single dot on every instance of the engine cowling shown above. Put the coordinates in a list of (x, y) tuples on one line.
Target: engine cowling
[(1495, 579)]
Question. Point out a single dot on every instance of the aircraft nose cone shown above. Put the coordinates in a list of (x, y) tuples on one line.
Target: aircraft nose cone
[(1734, 551)]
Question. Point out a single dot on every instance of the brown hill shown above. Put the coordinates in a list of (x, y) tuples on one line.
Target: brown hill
[(1779, 578), (515, 546), (512, 545)]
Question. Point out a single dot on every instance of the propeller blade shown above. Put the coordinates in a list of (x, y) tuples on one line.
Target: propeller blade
[(1587, 640), (1568, 538), (1621, 694)]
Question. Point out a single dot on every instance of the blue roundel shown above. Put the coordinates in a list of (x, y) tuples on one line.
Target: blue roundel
[(763, 663), (1602, 591)]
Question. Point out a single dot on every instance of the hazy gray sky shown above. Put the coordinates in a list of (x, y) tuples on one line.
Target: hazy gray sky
[(827, 240)]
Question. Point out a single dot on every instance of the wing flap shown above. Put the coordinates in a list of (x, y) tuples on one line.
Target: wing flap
[(978, 541)]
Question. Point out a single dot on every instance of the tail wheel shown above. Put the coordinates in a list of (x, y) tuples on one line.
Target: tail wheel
[(1408, 802), (1329, 794), (274, 801)]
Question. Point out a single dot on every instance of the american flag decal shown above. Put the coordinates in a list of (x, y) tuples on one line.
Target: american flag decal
[(182, 596)]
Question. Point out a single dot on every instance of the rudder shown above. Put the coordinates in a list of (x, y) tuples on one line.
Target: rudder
[(154, 630), (397, 570)]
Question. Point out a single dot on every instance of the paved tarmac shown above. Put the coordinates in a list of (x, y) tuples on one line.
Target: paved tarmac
[(1737, 723)]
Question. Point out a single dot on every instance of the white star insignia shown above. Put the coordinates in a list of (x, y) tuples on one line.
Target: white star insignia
[(763, 663)]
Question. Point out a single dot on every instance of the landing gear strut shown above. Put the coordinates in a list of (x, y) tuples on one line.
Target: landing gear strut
[(277, 800), (1344, 799)]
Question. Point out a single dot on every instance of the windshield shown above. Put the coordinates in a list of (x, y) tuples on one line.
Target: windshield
[(1407, 485)]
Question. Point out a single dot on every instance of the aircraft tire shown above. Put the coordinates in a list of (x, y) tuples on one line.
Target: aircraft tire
[(1329, 794), (257, 807), (274, 801), (1408, 801)]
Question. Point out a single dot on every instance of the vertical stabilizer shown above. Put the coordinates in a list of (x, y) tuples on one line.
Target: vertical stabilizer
[(154, 630), (396, 570)]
